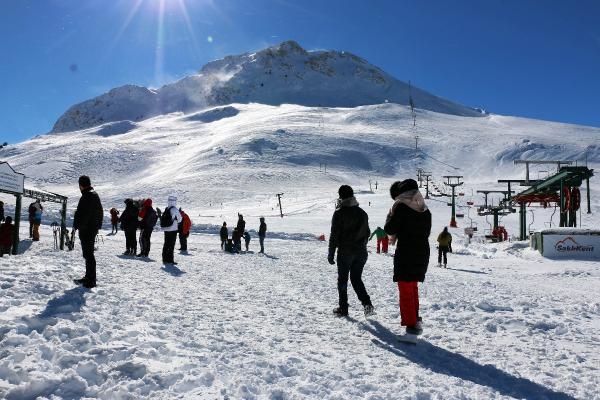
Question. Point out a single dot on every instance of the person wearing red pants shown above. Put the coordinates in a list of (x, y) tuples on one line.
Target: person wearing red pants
[(409, 224), (382, 240)]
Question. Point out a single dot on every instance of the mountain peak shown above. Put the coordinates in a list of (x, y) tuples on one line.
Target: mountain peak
[(284, 73)]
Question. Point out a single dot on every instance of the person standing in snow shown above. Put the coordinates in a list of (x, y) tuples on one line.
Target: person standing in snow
[(241, 225), (236, 238), (409, 223), (147, 218), (1, 211), (262, 232), (114, 220), (184, 230), (444, 246), (88, 221), (31, 212), (170, 231), (224, 233), (129, 223), (382, 240), (6, 236), (349, 235), (37, 219)]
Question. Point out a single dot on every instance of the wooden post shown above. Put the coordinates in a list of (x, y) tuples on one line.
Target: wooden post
[(63, 224), (15, 246)]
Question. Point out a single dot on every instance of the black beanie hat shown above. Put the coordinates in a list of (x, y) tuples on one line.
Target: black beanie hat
[(345, 192), (84, 181), (400, 187)]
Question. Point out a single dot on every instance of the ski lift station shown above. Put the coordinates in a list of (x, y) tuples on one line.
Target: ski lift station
[(13, 183)]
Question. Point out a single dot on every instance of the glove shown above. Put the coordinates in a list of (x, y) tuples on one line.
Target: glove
[(330, 257)]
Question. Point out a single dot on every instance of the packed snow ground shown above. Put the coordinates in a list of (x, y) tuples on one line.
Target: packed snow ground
[(501, 322)]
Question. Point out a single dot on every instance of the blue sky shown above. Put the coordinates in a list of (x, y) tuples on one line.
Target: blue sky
[(536, 59)]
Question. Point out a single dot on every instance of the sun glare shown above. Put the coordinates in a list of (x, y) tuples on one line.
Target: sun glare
[(163, 11)]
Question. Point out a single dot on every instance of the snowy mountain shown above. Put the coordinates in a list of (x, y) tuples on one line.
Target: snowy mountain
[(283, 74)]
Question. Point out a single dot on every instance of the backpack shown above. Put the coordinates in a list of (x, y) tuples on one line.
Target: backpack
[(166, 219), (152, 218)]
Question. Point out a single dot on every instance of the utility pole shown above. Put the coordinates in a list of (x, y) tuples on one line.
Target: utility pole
[(419, 176), (427, 175), (453, 181), (279, 198)]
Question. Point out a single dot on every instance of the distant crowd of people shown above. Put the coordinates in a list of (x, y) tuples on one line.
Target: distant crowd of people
[(234, 244)]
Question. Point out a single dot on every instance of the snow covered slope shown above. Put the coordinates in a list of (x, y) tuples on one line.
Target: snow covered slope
[(501, 322), (219, 154), (281, 74)]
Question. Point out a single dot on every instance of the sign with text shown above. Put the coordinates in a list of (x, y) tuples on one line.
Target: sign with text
[(571, 246), (11, 181)]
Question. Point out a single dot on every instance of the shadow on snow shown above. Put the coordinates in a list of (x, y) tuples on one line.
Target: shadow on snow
[(65, 306), (442, 361)]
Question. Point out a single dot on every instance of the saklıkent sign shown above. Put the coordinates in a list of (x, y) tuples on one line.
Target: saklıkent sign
[(572, 246), (11, 181)]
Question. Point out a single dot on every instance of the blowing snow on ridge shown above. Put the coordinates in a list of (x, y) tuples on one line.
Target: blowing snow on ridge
[(281, 74)]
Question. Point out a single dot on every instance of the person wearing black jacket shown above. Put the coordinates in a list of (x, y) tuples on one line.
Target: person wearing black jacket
[(409, 224), (262, 232), (224, 233), (88, 220), (349, 235), (129, 224)]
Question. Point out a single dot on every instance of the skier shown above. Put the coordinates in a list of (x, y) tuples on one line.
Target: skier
[(409, 221), (1, 211), (88, 220), (382, 240), (444, 246), (262, 232), (224, 235), (349, 235), (114, 220)]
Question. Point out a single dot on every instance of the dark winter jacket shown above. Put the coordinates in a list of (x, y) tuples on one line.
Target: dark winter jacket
[(241, 226), (89, 214), (262, 230), (224, 233), (129, 217), (412, 229), (349, 228), (147, 216)]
